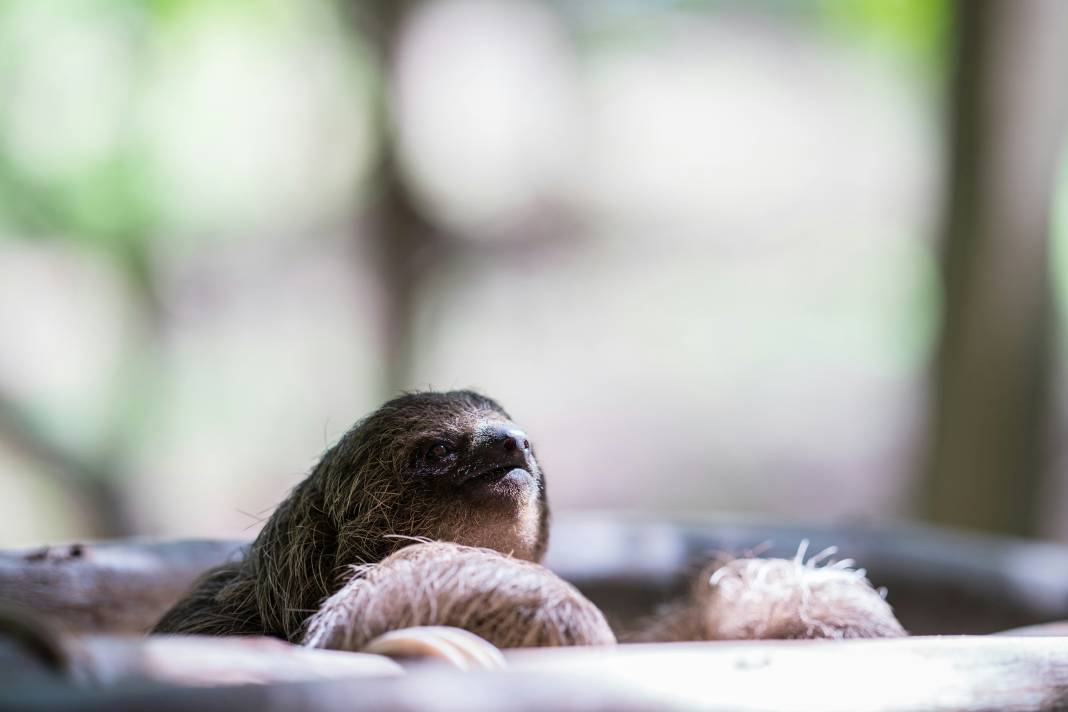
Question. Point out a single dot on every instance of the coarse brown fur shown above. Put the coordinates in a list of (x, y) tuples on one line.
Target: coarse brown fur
[(510, 603), (380, 485)]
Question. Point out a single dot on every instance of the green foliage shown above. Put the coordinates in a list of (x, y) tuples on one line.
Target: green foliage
[(81, 79), (917, 28), (100, 198)]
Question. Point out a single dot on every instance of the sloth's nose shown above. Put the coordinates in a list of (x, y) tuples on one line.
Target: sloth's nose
[(508, 440)]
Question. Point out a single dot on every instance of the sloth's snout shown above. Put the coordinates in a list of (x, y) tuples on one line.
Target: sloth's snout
[(509, 440), (500, 447), (498, 450)]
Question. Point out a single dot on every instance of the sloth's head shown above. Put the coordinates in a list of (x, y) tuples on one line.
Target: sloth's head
[(443, 466), (450, 466)]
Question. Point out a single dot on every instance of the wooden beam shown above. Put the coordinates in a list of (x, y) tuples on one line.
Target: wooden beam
[(122, 586), (960, 673)]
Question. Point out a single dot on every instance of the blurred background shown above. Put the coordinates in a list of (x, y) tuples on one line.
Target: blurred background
[(798, 260)]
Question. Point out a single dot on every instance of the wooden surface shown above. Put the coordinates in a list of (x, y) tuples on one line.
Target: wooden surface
[(120, 586), (955, 673), (203, 661), (952, 673)]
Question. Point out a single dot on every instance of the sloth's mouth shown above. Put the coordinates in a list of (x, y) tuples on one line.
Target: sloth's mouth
[(493, 475)]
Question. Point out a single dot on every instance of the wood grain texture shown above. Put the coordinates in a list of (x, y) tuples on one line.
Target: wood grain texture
[(952, 673), (120, 586)]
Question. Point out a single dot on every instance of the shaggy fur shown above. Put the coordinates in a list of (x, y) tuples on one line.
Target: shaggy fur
[(510, 603), (377, 481), (768, 599)]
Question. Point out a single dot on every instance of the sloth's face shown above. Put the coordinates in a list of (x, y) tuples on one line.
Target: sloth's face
[(482, 458), (466, 472)]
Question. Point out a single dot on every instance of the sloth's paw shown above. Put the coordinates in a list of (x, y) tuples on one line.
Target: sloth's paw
[(508, 602), (761, 599)]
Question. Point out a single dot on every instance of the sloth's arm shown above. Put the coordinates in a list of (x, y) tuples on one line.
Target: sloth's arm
[(767, 599), (508, 602), (222, 602)]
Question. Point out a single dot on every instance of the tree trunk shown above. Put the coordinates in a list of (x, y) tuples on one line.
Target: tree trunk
[(991, 382)]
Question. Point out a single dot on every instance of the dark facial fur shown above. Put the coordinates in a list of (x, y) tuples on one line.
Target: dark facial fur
[(445, 466)]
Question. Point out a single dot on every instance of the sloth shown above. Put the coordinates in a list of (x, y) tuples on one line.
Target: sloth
[(442, 466), (432, 511)]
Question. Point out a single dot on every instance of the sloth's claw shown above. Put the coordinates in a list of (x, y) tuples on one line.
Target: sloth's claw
[(456, 647)]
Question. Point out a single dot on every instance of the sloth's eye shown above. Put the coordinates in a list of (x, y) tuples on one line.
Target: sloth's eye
[(437, 451)]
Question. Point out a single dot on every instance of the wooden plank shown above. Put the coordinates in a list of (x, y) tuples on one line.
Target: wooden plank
[(123, 585), (205, 661), (941, 673), (956, 673)]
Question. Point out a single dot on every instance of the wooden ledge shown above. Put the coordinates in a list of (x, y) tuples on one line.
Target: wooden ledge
[(944, 673)]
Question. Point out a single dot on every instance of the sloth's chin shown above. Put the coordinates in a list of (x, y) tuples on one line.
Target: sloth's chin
[(502, 513)]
